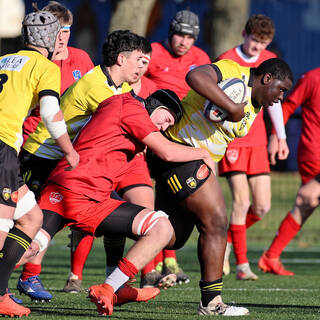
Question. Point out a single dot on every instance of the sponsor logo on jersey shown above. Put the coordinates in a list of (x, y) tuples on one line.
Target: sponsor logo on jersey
[(13, 63), (232, 155), (6, 193), (191, 182), (55, 197), (202, 172), (14, 196), (76, 74)]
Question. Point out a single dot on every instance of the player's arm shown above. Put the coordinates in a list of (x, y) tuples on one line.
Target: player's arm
[(309, 194), (203, 80), (174, 152), (53, 119), (277, 142)]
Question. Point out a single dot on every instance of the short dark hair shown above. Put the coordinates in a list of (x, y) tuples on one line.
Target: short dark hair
[(278, 68), (119, 41), (146, 46), (261, 26)]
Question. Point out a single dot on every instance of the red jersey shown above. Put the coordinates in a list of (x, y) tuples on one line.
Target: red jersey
[(307, 94), (257, 134), (169, 71), (72, 69), (147, 87), (106, 145)]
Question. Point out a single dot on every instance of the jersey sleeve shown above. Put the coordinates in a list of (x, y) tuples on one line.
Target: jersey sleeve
[(136, 121), (50, 80), (228, 69)]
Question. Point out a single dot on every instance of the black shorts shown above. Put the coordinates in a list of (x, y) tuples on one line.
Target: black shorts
[(35, 170), (10, 177), (180, 179)]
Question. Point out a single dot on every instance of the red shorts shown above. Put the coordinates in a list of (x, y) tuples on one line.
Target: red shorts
[(308, 170), (139, 176), (251, 160), (86, 214)]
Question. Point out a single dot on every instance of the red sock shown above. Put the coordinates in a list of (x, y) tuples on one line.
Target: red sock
[(148, 267), (127, 267), (30, 270), (239, 240), (286, 232), (158, 258), (229, 236), (80, 255), (169, 254), (252, 218)]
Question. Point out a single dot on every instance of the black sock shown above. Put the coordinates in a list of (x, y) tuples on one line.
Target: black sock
[(16, 243), (209, 290)]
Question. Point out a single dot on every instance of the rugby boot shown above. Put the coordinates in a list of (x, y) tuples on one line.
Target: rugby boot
[(273, 265), (131, 294), (104, 298), (217, 308), (14, 298), (150, 279), (244, 272), (9, 308), (33, 288)]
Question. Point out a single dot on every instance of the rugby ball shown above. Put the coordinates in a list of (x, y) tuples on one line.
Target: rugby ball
[(235, 89)]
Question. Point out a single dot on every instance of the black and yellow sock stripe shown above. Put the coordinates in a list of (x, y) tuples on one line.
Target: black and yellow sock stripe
[(212, 287)]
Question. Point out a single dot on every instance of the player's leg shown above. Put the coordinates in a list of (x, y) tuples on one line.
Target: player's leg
[(80, 247), (237, 228), (289, 227), (208, 207), (152, 231), (35, 171)]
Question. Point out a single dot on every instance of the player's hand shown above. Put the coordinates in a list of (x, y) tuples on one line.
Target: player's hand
[(210, 163), (73, 159), (238, 112), (283, 150), (273, 147)]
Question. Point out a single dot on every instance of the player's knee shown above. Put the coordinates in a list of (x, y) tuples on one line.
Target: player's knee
[(216, 223), (155, 222), (240, 207), (31, 220), (42, 239), (261, 209)]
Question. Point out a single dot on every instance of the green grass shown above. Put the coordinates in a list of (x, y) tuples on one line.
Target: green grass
[(271, 297)]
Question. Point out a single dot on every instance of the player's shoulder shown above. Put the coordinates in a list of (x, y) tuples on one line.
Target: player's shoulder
[(312, 74), (78, 52), (267, 54), (198, 51), (229, 54)]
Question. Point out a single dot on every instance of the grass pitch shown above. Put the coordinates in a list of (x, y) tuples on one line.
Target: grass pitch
[(270, 297)]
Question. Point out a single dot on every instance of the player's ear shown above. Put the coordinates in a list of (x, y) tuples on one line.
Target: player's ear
[(266, 78)]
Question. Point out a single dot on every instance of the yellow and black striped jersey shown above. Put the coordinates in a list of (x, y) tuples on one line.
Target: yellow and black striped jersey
[(78, 103), (25, 77), (196, 130)]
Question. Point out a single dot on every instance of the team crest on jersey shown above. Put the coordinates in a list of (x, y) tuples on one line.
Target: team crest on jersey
[(76, 74), (191, 182), (14, 196), (202, 172), (55, 197), (6, 193), (232, 155)]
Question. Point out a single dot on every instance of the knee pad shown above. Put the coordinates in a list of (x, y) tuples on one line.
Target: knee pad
[(6, 224), (24, 205), (42, 240), (149, 221)]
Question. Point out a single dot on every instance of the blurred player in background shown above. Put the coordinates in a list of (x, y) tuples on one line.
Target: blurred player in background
[(27, 78), (171, 61), (73, 64), (307, 94), (245, 163)]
